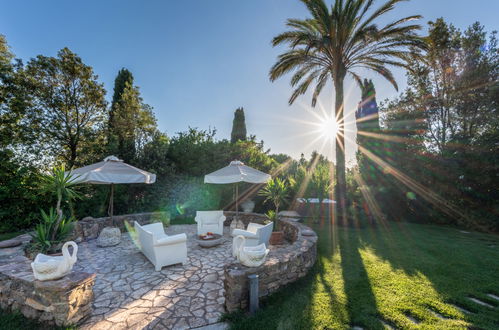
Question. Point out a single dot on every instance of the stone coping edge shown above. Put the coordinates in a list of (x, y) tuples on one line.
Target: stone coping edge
[(62, 302), (284, 265)]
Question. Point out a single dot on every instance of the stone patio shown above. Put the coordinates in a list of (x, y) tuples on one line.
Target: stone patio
[(130, 294)]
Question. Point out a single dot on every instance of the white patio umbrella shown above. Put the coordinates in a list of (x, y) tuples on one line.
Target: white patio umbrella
[(112, 171), (234, 173)]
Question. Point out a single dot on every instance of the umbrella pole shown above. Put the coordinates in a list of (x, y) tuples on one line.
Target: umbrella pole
[(111, 204), (237, 198)]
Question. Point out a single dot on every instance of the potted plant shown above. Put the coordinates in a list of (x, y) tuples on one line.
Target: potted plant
[(275, 191), (277, 236)]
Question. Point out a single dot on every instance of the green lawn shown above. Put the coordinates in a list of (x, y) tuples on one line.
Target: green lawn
[(397, 274), (5, 236), (16, 321)]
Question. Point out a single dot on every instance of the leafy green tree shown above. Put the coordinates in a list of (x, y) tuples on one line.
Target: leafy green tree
[(7, 118), (336, 42), (19, 196), (321, 183), (440, 131), (14, 99), (68, 105), (238, 126)]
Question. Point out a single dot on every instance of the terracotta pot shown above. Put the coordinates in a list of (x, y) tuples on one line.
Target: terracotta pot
[(277, 238)]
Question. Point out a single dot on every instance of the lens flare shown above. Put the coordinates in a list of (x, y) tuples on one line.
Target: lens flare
[(329, 128)]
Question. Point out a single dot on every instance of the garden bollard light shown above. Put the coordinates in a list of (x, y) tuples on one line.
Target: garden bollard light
[(253, 293)]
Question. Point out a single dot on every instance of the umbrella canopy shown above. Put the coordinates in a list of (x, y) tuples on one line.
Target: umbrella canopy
[(112, 171), (236, 172)]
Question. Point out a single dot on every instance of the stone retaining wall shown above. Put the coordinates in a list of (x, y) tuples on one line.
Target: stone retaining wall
[(61, 302), (284, 264), (244, 217), (89, 228)]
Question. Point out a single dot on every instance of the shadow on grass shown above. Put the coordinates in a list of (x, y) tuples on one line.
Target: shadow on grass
[(361, 301), (457, 265), (338, 292)]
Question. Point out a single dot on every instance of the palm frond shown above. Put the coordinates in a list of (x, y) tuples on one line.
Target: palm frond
[(335, 41)]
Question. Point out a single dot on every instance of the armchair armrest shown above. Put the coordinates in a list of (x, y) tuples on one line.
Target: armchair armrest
[(244, 233), (168, 240), (253, 227)]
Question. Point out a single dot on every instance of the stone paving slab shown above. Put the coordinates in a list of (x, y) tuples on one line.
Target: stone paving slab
[(130, 294)]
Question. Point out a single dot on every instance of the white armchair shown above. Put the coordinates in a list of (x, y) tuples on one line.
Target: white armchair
[(255, 234), (210, 221), (159, 248)]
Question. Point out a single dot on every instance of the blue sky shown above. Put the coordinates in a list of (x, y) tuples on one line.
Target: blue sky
[(197, 61)]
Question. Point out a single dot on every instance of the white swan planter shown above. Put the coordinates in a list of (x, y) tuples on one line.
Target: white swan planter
[(250, 256), (47, 268)]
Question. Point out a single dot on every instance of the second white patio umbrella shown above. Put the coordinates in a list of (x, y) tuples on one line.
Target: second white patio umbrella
[(234, 173), (112, 171)]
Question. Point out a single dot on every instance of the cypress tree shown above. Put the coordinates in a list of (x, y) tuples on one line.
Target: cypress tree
[(367, 116), (238, 126), (123, 79)]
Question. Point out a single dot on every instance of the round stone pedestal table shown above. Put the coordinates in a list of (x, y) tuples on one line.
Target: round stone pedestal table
[(210, 242)]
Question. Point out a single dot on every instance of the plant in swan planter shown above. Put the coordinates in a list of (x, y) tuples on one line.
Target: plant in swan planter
[(47, 268)]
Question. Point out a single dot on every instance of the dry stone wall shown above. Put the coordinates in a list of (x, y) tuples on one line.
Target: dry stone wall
[(61, 302), (90, 228), (284, 264)]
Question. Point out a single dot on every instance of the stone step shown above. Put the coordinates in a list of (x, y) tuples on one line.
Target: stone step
[(387, 325), (437, 314), (412, 318), (478, 301), (493, 296), (461, 309)]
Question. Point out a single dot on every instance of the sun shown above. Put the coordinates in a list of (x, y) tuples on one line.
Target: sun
[(329, 128)]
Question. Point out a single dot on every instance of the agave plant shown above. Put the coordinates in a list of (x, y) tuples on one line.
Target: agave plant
[(60, 183), (47, 234)]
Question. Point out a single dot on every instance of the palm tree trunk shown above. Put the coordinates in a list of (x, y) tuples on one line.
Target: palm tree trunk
[(340, 190)]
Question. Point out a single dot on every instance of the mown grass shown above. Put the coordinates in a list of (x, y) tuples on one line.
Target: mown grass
[(396, 274), (16, 321)]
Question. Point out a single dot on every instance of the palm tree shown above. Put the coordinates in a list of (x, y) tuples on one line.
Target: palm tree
[(336, 42)]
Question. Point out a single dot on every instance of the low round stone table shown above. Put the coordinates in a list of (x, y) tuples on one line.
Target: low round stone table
[(211, 242)]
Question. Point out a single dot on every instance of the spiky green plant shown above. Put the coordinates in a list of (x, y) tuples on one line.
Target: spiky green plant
[(275, 191), (60, 183), (47, 234), (336, 42)]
